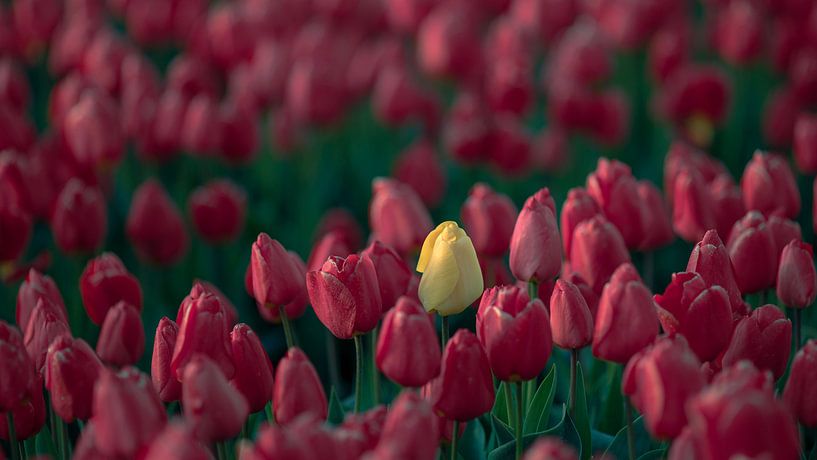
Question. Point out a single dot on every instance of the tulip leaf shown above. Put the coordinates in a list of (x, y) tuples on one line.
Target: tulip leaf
[(472, 446), (503, 432), (643, 443), (502, 404), (582, 418), (336, 413), (654, 454), (564, 430), (43, 443), (612, 414), (539, 411)]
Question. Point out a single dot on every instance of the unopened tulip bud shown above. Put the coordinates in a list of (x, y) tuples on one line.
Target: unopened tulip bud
[(177, 441), (122, 338), (164, 380), (407, 346), (657, 222), (535, 245), (216, 410), (420, 168), (72, 369), (410, 430), (614, 188), (92, 132), (570, 319), (692, 210), (80, 218), (578, 207), (253, 369), (104, 282), (797, 277), (393, 274), (489, 218), (764, 338), (155, 225), (18, 374), (276, 280), (805, 143), (768, 185), (45, 326), (218, 210), (35, 287), (203, 329), (710, 259), (297, 389), (783, 231), (28, 414), (397, 216), (596, 251), (798, 393), (754, 255)]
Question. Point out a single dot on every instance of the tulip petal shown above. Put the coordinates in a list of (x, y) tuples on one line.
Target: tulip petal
[(428, 246), (440, 276)]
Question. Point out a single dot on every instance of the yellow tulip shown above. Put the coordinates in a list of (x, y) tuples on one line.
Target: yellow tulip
[(452, 279)]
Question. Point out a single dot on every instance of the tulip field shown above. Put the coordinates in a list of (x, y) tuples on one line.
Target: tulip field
[(408, 229)]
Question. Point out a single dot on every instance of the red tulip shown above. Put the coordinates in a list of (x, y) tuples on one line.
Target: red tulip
[(398, 99), (14, 87), (660, 380), (177, 441), (35, 287), (738, 33), (92, 132), (578, 207), (489, 218), (239, 142), (127, 412), (104, 282), (71, 371), (397, 216), (297, 389), (701, 314), (18, 374), (122, 338), (509, 86), (253, 369), (275, 441), (405, 16), (360, 432), (797, 277), (780, 116), (330, 244), (805, 143), (737, 416), (764, 338), (657, 222), (314, 93), (535, 249), (510, 146), (596, 251), (768, 185), (203, 329), (692, 211), (783, 231), (218, 211), (393, 275), (45, 326), (710, 260), (215, 410), (570, 319), (342, 222), (448, 43), (345, 295), (550, 448), (463, 360), (798, 393), (155, 225), (164, 380), (276, 279), (419, 167), (28, 413), (615, 189), (695, 98), (407, 346), (467, 128), (80, 218), (515, 333), (201, 130), (16, 223), (295, 308), (626, 321), (410, 430), (754, 255)]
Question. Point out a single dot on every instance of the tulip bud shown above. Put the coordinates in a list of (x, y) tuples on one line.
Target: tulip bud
[(297, 389), (104, 282), (362, 430), (570, 319), (45, 326), (710, 260), (692, 211), (463, 360), (660, 380), (448, 43), (550, 448), (343, 223), (35, 287), (92, 132), (419, 167), (239, 142), (701, 314), (768, 185), (614, 188), (127, 412), (626, 321), (510, 146), (657, 223), (596, 251), (798, 394), (275, 441), (16, 222), (535, 250), (216, 411), (451, 279), (276, 280), (330, 244), (218, 211), (753, 253), (345, 295), (780, 116), (578, 207), (164, 380), (727, 200), (467, 128), (203, 329), (122, 338), (71, 371), (18, 374), (805, 143), (201, 129), (178, 442), (397, 216), (80, 218), (295, 308), (28, 414), (314, 93), (513, 319), (489, 218), (393, 274), (783, 231), (797, 277), (738, 33), (155, 225), (253, 369), (407, 346), (410, 430), (764, 338)]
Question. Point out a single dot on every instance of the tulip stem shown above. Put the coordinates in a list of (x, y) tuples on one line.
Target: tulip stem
[(12, 436), (444, 332), (518, 420), (454, 436), (796, 320), (221, 449), (628, 413), (375, 373), (358, 370), (287, 326), (571, 400), (533, 289)]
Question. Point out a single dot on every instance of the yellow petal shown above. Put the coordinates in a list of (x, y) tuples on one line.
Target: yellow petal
[(428, 245), (440, 276)]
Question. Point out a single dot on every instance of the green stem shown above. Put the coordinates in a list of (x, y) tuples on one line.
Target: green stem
[(628, 411), (571, 400), (518, 420), (221, 449), (358, 370), (12, 436), (533, 289), (290, 337), (270, 413), (332, 358), (797, 321), (444, 333), (764, 297), (454, 436), (375, 373)]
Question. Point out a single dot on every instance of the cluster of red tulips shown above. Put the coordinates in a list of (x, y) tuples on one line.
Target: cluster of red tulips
[(460, 334)]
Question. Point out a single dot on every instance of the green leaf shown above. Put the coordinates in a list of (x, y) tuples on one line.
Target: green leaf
[(507, 450), (539, 411), (655, 454), (336, 413), (503, 432), (643, 441), (581, 415), (502, 404), (612, 415), (472, 444), (43, 444)]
